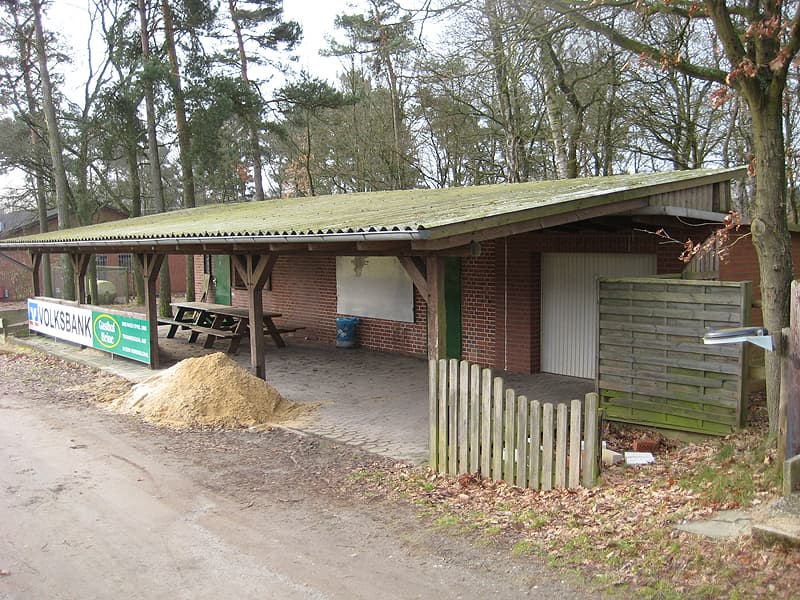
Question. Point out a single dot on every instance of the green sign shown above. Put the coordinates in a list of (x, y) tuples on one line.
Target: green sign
[(121, 334)]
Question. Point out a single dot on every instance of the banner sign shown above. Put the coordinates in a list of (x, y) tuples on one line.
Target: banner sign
[(63, 321), (111, 331), (121, 334)]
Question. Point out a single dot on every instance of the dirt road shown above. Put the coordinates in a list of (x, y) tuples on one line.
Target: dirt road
[(97, 505)]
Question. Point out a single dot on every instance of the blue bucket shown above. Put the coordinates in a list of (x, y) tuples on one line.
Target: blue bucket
[(346, 332)]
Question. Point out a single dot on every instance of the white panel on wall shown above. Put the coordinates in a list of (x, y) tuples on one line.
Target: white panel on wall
[(569, 306), (374, 286)]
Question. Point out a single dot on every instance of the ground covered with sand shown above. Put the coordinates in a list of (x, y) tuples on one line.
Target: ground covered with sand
[(209, 391)]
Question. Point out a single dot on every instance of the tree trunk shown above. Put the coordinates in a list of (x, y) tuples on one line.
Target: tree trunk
[(556, 125), (770, 232), (184, 138), (401, 179), (308, 155), (501, 76), (24, 47), (165, 294), (255, 143), (54, 140), (132, 155), (84, 213)]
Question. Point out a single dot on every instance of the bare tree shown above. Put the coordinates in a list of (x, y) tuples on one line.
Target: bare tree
[(152, 151), (759, 42), (54, 141)]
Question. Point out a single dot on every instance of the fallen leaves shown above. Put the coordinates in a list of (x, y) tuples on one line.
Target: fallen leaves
[(623, 531)]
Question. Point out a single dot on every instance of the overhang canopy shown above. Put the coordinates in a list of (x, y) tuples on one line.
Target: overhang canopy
[(411, 221)]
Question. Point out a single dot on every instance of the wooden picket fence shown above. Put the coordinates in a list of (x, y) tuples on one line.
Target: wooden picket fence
[(479, 426)]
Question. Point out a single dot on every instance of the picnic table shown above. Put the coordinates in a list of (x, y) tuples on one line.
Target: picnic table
[(221, 321)]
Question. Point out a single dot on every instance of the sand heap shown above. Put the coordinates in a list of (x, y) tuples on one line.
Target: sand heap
[(209, 390)]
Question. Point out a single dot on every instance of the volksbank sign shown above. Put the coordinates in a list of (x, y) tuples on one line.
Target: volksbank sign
[(112, 331)]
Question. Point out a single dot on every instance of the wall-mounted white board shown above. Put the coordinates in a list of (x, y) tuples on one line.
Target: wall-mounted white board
[(374, 286)]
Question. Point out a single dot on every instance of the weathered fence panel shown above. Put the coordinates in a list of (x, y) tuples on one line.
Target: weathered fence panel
[(480, 426), (653, 368)]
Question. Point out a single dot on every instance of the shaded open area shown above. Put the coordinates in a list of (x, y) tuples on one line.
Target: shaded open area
[(375, 400)]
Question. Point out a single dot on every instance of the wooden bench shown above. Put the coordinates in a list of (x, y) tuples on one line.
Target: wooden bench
[(173, 325), (212, 334), (287, 328)]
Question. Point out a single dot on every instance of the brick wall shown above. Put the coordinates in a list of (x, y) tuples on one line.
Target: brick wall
[(500, 296), (517, 284), (15, 280), (479, 306), (742, 265), (514, 292), (303, 290)]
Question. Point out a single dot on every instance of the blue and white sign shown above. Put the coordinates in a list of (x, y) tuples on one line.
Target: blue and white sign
[(62, 321)]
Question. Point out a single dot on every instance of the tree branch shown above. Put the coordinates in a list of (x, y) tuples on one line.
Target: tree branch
[(572, 11)]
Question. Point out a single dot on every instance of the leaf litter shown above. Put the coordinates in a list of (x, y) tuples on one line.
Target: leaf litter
[(621, 534)]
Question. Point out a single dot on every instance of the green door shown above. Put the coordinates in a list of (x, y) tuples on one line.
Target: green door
[(222, 279), (452, 301)]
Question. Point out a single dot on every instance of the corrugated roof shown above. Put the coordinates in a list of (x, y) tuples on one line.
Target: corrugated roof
[(420, 214)]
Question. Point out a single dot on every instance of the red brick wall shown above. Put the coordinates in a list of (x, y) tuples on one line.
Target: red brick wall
[(15, 278), (514, 290), (303, 290), (742, 265), (500, 296), (518, 284), (479, 306)]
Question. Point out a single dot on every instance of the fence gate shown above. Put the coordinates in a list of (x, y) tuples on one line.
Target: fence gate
[(479, 426)]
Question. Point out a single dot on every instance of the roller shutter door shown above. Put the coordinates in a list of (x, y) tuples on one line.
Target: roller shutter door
[(569, 306)]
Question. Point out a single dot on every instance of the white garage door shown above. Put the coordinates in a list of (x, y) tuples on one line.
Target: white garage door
[(569, 306)]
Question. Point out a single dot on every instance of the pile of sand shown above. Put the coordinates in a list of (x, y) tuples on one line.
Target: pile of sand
[(210, 390)]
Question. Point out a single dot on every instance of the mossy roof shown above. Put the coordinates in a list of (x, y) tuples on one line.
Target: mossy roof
[(410, 214)]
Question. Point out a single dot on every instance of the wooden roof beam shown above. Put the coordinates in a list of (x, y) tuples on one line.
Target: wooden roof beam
[(501, 231)]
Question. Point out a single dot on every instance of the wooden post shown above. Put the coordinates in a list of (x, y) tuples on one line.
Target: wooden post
[(474, 418), (150, 265), (486, 423), (590, 441), (442, 416), (452, 417), (783, 347), (80, 264), (254, 270), (522, 442), (575, 409), (433, 414), (509, 435), (789, 408), (437, 330), (36, 261), (534, 448), (547, 447), (497, 429), (561, 446)]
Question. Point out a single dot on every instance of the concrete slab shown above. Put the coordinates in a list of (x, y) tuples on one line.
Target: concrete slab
[(374, 400), (724, 524), (777, 522)]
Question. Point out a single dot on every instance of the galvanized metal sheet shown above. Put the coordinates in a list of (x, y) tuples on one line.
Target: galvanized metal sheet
[(569, 306)]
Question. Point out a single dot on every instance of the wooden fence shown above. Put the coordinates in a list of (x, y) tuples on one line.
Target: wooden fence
[(653, 368), (479, 426)]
